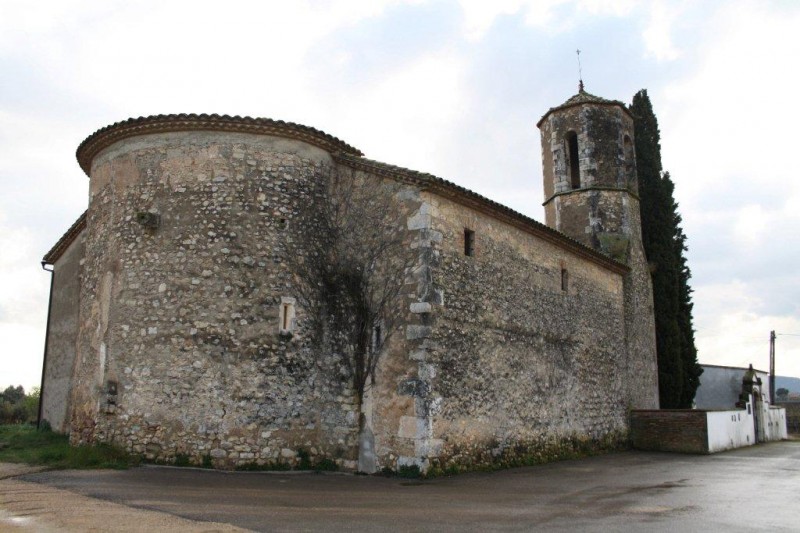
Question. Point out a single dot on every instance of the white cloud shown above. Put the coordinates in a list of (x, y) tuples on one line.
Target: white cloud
[(23, 307), (730, 117), (417, 103), (750, 224), (657, 34), (22, 286), (21, 354), (727, 141), (479, 15), (732, 331), (554, 16)]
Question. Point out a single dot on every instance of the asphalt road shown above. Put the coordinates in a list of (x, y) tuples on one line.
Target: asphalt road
[(755, 488)]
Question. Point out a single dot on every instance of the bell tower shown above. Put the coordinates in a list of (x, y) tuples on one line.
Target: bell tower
[(591, 195), (590, 186)]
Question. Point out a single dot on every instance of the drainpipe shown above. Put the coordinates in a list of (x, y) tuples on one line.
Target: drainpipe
[(46, 340)]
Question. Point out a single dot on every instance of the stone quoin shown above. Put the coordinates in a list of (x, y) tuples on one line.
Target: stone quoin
[(185, 321)]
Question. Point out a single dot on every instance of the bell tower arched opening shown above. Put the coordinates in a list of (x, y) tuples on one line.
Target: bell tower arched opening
[(573, 166), (630, 160)]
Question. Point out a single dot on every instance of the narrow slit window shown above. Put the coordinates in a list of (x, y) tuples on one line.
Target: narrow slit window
[(377, 338), (574, 163), (469, 242), (286, 315), (564, 280)]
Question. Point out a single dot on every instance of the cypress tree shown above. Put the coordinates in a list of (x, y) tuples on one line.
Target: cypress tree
[(664, 245)]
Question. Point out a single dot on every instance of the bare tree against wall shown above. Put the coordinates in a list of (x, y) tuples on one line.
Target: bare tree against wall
[(351, 279)]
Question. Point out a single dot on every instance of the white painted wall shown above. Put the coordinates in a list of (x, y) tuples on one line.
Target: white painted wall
[(775, 423), (730, 429)]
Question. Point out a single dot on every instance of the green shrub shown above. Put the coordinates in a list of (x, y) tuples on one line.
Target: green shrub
[(305, 459), (24, 444), (409, 471)]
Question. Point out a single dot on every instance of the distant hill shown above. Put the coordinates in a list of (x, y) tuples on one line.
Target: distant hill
[(783, 382)]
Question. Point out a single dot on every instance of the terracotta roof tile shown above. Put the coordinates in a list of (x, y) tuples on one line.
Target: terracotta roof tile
[(105, 137), (583, 98), (472, 199), (63, 243)]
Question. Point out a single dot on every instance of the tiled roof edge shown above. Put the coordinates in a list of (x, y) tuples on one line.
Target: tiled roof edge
[(63, 243), (480, 203), (591, 99), (105, 137)]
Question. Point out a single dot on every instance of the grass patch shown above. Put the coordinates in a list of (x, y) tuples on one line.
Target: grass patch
[(25, 444)]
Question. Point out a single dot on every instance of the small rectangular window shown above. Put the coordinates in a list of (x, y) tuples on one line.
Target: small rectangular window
[(469, 242), (564, 280)]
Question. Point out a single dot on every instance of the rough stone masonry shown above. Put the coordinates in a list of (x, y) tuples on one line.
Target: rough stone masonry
[(184, 321)]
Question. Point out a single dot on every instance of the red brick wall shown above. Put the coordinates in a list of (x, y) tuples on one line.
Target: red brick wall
[(670, 430), (792, 416)]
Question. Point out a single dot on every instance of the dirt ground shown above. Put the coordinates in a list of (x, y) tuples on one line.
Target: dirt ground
[(26, 506)]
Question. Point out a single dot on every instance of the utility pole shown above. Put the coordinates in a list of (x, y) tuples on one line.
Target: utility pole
[(772, 367)]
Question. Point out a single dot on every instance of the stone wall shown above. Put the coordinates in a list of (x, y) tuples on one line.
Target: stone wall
[(62, 335), (603, 213), (509, 361), (604, 164), (201, 328), (640, 332), (189, 247)]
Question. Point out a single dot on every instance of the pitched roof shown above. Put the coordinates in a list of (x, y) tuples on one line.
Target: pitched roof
[(480, 203), (584, 98), (105, 137), (341, 152), (63, 243)]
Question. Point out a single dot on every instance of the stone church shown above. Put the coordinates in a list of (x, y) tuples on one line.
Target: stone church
[(183, 319)]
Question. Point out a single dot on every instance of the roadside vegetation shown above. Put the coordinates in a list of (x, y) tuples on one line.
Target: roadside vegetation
[(23, 443), (17, 406)]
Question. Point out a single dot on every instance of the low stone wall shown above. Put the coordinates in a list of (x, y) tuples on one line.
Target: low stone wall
[(670, 430)]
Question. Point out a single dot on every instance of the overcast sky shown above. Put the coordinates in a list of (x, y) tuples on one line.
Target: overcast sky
[(452, 88)]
